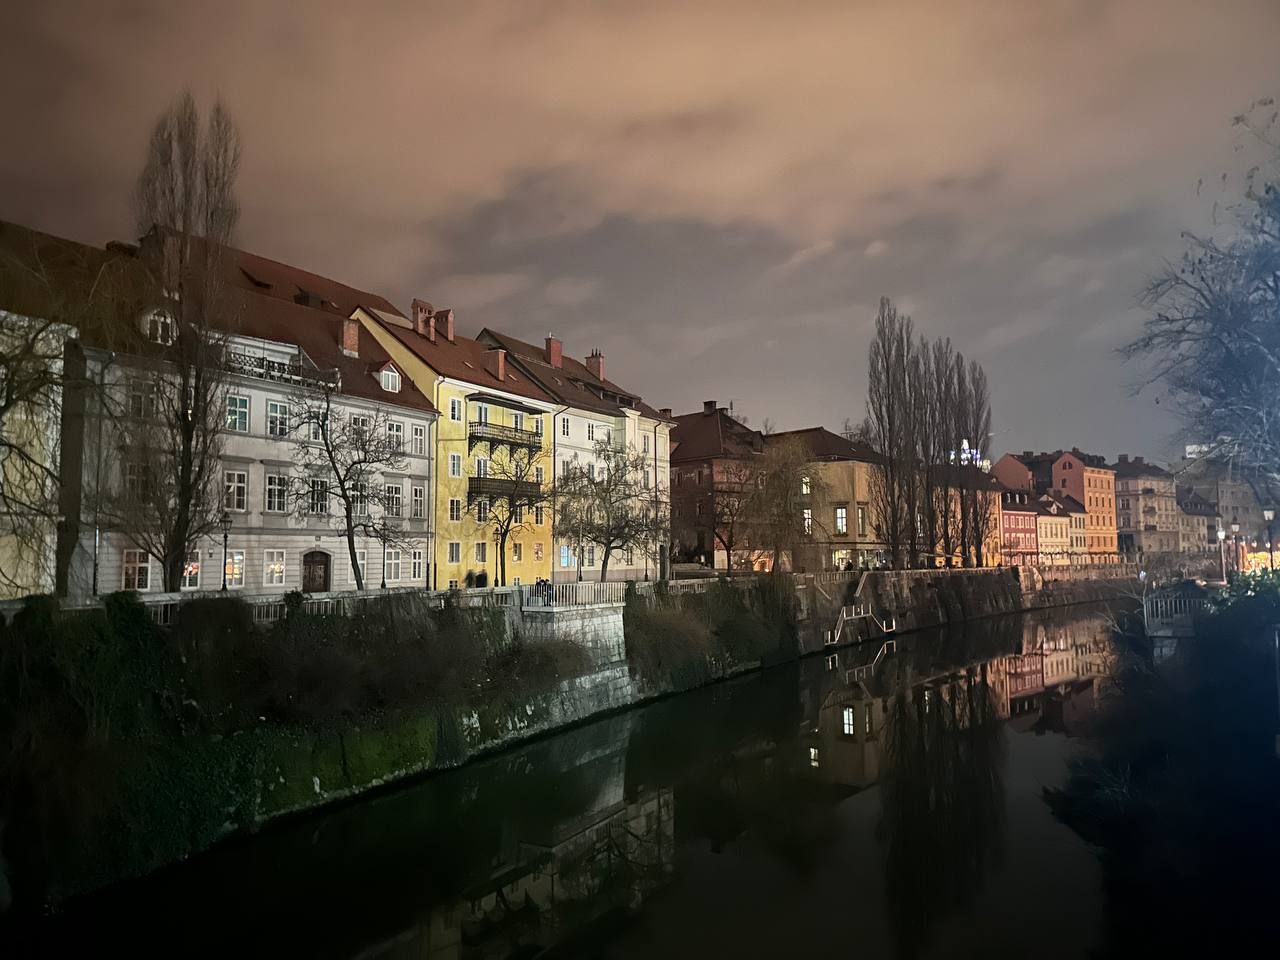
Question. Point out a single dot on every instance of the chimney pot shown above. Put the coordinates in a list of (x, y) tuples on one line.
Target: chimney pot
[(595, 364), (1124, 458), (351, 337), (555, 352), (665, 411), (1139, 460), (708, 406)]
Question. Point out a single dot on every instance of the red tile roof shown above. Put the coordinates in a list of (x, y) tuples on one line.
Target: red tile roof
[(280, 281), (707, 435), (825, 445)]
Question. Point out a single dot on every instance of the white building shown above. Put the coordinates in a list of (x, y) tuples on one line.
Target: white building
[(592, 408), (294, 336)]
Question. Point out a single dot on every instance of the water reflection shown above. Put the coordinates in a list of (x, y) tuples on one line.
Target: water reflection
[(693, 825)]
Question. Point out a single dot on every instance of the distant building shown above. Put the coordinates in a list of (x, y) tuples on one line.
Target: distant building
[(1147, 515), (1019, 535), (1198, 525), (1239, 494), (1076, 548), (1083, 477)]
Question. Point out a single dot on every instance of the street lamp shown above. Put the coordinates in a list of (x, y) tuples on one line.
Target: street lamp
[(225, 523), (1222, 552), (1269, 514), (1235, 543)]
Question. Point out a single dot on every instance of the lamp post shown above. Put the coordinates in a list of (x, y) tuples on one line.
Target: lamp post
[(225, 523), (1235, 544), (1269, 514), (1222, 552)]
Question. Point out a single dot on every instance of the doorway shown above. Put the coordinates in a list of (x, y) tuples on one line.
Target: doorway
[(315, 572)]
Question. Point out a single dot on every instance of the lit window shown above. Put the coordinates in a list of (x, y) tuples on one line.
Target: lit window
[(137, 570), (277, 419), (805, 485), (235, 495), (813, 756), (842, 520), (455, 552), (482, 551), (862, 519), (235, 568), (808, 520), (391, 558), (238, 414), (419, 440), (191, 573), (848, 726), (272, 568), (394, 499), (537, 551), (391, 380), (160, 328), (419, 503), (455, 464)]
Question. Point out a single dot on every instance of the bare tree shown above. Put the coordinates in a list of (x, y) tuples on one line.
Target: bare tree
[(342, 456), (946, 443), (786, 506), (731, 505), (610, 504), (980, 510), (888, 426), (1214, 337), (508, 495), (169, 423)]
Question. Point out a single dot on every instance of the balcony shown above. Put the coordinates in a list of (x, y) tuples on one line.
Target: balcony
[(276, 371), (524, 492), (499, 435)]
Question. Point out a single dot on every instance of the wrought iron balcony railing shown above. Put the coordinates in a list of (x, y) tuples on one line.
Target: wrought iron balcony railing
[(498, 488), (481, 431)]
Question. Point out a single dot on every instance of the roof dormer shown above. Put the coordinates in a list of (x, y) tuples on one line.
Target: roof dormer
[(389, 378)]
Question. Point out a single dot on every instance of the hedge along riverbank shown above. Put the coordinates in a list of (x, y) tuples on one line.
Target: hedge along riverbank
[(125, 747)]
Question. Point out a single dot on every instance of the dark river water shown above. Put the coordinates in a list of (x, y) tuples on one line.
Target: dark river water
[(820, 809)]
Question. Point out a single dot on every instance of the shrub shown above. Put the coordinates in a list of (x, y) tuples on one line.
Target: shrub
[(668, 647)]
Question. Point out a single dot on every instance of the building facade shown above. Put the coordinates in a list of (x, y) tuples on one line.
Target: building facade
[(1019, 527), (1083, 477), (1147, 516)]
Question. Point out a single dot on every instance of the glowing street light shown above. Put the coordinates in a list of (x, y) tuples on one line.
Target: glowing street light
[(1269, 514)]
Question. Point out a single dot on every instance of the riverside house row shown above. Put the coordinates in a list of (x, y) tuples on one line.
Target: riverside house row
[(440, 419)]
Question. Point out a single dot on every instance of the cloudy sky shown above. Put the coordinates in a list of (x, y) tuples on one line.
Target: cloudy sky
[(714, 194)]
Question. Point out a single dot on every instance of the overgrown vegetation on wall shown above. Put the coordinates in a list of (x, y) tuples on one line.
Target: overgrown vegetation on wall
[(680, 641)]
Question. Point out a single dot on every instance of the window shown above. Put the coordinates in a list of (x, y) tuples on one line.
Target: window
[(142, 401), (394, 502), (566, 468), (235, 493), (482, 413), (867, 721), (646, 443), (415, 565), (537, 425), (847, 725), (272, 568), (238, 414), (419, 440), (537, 551), (813, 756), (539, 475), (808, 520), (360, 498), (361, 565), (390, 378), (359, 427), (277, 419), (517, 421), (842, 520), (160, 328), (565, 557), (537, 514), (644, 480), (564, 426), (317, 429), (235, 568), (482, 552), (517, 513), (453, 584), (482, 511), (318, 497), (395, 435), (419, 507), (137, 569), (455, 509), (805, 486), (591, 556), (455, 408), (277, 491), (591, 431), (190, 573), (137, 479), (862, 519), (697, 508), (455, 552), (455, 464), (517, 552), (515, 581), (482, 467), (391, 561)]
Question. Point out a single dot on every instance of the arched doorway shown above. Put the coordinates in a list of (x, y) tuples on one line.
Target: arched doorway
[(315, 572)]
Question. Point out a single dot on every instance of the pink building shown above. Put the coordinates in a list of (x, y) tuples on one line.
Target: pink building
[(1019, 541)]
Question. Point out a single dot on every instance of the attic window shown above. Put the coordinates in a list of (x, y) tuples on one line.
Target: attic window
[(390, 378), (159, 328)]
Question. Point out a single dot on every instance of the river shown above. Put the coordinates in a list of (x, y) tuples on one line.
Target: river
[(817, 809)]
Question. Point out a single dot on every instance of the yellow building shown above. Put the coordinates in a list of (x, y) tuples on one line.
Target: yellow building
[(492, 464)]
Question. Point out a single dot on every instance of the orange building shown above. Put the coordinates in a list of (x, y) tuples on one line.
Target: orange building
[(1083, 477)]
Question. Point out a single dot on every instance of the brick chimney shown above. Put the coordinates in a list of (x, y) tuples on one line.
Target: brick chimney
[(666, 412), (1124, 458), (497, 363), (422, 319), (708, 406), (351, 337), (446, 317), (595, 364), (1139, 461), (1027, 454), (555, 351)]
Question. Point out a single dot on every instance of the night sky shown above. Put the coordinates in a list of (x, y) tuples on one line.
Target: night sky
[(714, 194)]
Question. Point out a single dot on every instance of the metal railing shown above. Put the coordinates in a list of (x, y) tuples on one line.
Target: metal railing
[(1160, 609), (497, 487), (483, 430), (574, 594)]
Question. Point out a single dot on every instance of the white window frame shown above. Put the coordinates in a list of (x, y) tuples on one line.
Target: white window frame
[(393, 558), (419, 440), (280, 487), (272, 577), (455, 509), (455, 551), (189, 580), (455, 464), (235, 569), (416, 569), (362, 563), (517, 552), (564, 426), (418, 502), (455, 409), (277, 419), (393, 499), (482, 551), (237, 413), (482, 466), (482, 510), (395, 435), (389, 379), (235, 493), (135, 570), (317, 486), (591, 431)]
